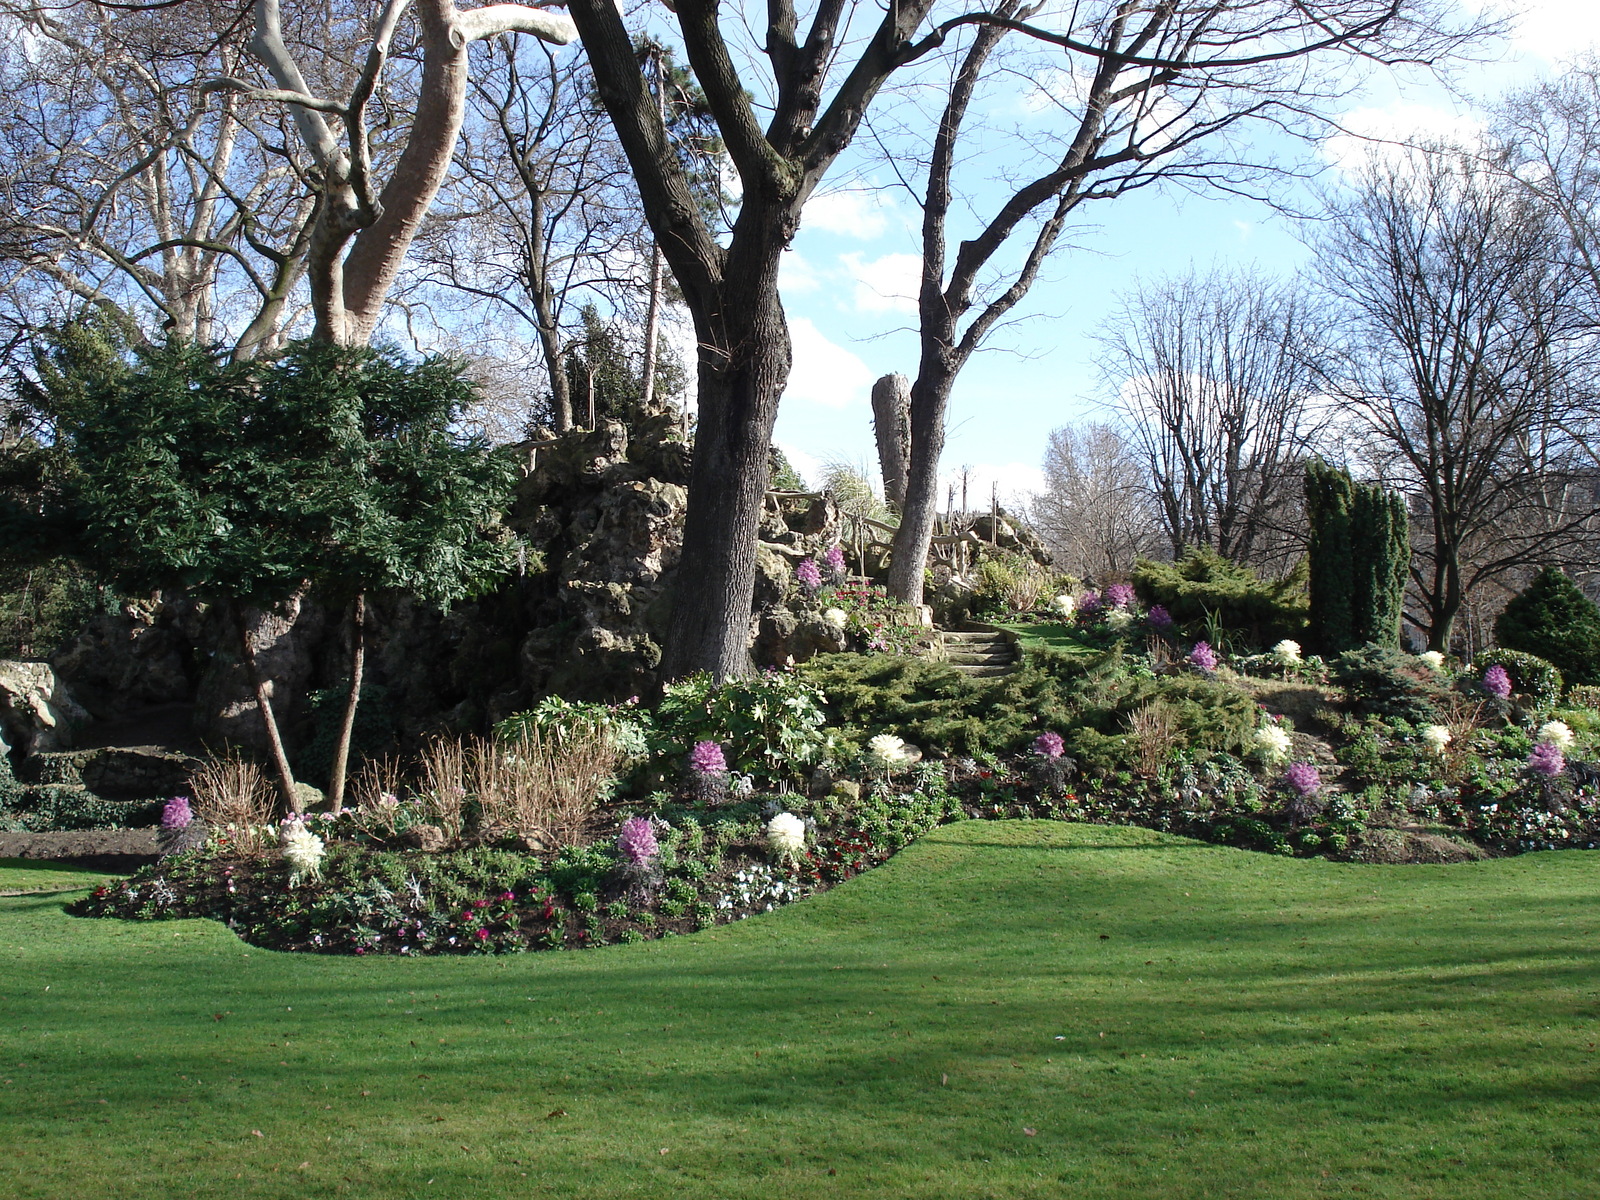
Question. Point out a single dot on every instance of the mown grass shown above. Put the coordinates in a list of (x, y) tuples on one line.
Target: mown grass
[(29, 875), (1020, 1009)]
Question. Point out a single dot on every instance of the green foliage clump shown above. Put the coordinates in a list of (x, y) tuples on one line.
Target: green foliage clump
[(1553, 619), (1205, 590), (1381, 681), (42, 606), (1206, 717), (59, 806), (626, 726), (1359, 557), (769, 725), (1009, 583), (933, 705), (1532, 678)]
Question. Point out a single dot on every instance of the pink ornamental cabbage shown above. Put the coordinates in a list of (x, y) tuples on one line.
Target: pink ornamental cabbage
[(1119, 595), (177, 814), (1303, 778), (809, 575), (1546, 760), (707, 759), (835, 560), (1049, 745), (636, 841), (1159, 617), (1090, 603), (1203, 656), (1496, 682)]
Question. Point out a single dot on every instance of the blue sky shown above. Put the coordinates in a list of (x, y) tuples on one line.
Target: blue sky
[(846, 281)]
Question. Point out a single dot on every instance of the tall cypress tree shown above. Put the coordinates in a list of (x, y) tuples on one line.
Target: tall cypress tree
[(1359, 557)]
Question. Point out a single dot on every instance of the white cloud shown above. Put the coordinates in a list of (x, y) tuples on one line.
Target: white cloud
[(856, 213), (824, 373), (796, 275), (1018, 481), (809, 466), (1386, 132), (886, 284), (1556, 29)]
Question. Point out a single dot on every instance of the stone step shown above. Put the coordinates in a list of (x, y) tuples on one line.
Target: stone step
[(973, 671), (980, 658)]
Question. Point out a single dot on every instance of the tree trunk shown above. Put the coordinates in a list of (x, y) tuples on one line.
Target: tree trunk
[(930, 395), (252, 669), (891, 425), (358, 655), (652, 328), (744, 363)]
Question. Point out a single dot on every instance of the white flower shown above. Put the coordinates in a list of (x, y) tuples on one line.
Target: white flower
[(1064, 604), (1272, 743), (1287, 652), (786, 837), (303, 851), (1433, 658), (890, 752), (1437, 737), (836, 617), (1558, 733), (1118, 619)]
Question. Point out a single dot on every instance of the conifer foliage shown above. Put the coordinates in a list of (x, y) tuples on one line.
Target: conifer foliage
[(1360, 556), (1553, 619)]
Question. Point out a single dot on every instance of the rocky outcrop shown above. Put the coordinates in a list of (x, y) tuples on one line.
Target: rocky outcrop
[(286, 638), (143, 655), (37, 713)]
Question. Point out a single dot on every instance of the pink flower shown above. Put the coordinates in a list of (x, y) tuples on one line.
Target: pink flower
[(1159, 617), (1546, 760), (177, 814), (1119, 595), (1203, 656), (483, 935), (1049, 745), (835, 559), (636, 841), (809, 575), (1496, 682), (1303, 778), (707, 759)]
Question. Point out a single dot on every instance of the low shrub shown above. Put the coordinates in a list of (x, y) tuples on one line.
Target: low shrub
[(52, 806), (1384, 682), (1534, 681), (933, 705), (1207, 594)]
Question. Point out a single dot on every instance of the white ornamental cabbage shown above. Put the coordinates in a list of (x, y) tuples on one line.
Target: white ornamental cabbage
[(1557, 733), (1287, 652), (1064, 605), (1272, 743), (836, 617), (1118, 619), (890, 752), (1437, 737), (1433, 658), (303, 851), (786, 837)]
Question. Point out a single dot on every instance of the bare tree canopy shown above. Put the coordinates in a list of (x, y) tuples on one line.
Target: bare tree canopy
[(1213, 379), (1464, 367), (1096, 512)]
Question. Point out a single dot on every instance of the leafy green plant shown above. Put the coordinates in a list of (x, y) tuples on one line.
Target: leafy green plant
[(626, 726), (770, 725), (1553, 619)]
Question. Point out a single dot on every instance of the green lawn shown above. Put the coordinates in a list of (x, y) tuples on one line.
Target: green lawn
[(27, 875), (1005, 1009)]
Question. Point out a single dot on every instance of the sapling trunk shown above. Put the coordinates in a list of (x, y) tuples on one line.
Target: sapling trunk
[(358, 655), (264, 704)]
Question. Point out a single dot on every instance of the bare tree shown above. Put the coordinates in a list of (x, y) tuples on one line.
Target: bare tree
[(1149, 92), (1212, 376), (1462, 359), (814, 91), (1095, 513), (122, 187)]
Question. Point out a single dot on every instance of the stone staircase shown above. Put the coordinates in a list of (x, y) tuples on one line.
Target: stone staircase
[(979, 653)]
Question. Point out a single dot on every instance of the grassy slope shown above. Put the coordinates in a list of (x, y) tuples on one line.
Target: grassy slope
[(1246, 1026), (29, 875)]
